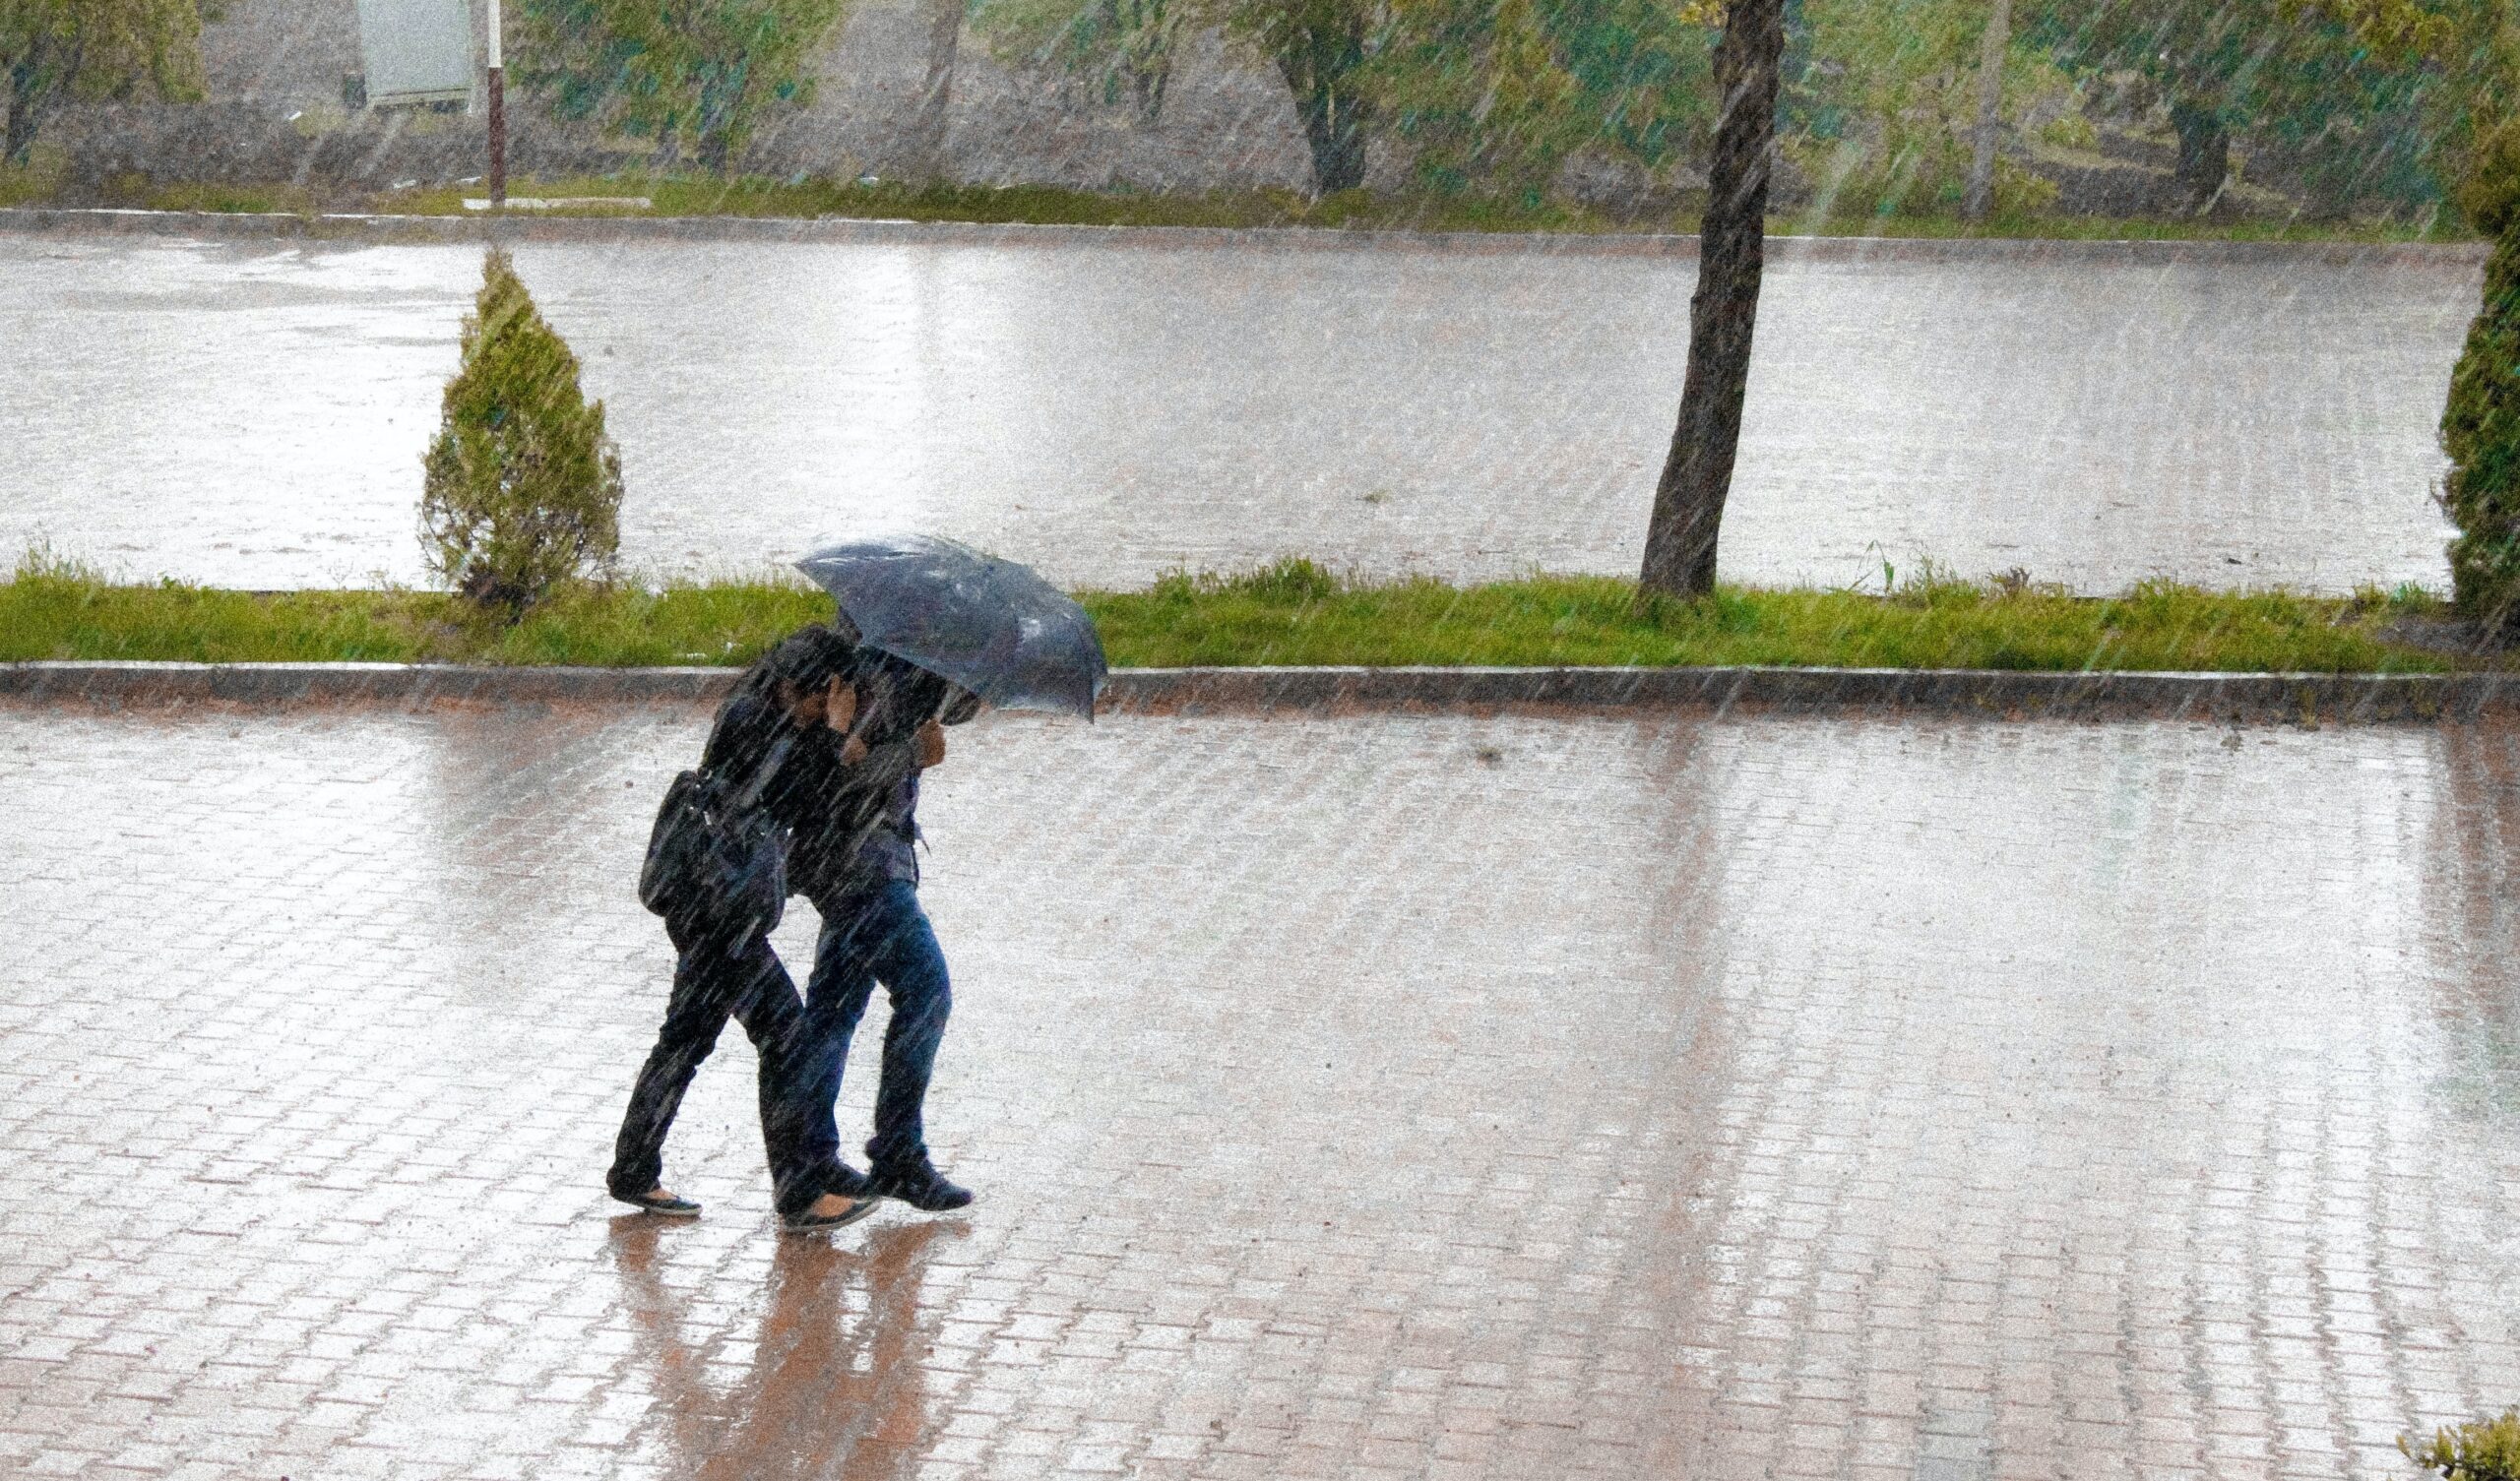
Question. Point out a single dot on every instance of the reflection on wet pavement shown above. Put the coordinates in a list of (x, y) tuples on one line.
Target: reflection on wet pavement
[(253, 414), (827, 1382), (1431, 1096)]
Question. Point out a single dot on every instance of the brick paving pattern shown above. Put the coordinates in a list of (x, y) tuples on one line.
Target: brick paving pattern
[(1443, 1097), (1107, 412)]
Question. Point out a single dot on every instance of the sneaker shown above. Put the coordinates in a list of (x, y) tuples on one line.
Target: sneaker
[(846, 1181), (920, 1185), (661, 1203)]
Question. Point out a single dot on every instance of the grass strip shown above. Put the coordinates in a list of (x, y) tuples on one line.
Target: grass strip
[(807, 198), (1294, 612)]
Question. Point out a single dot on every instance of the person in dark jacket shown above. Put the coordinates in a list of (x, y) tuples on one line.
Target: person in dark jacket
[(861, 874), (782, 712)]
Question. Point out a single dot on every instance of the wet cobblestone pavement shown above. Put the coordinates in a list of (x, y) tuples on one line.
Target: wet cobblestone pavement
[(1441, 1098), (1109, 412)]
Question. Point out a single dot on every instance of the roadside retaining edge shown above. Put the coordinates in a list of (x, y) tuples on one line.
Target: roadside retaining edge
[(2296, 699), (354, 229)]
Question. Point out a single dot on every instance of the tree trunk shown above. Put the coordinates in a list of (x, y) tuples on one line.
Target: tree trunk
[(1145, 59), (928, 161), (1317, 64), (2204, 151), (21, 138), (1337, 134), (1697, 476), (36, 75), (1990, 106)]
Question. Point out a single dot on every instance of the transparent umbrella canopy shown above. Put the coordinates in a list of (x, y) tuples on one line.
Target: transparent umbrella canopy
[(992, 626)]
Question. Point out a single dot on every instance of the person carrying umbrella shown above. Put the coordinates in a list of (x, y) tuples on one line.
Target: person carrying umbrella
[(825, 737), (775, 753), (943, 629), (862, 877)]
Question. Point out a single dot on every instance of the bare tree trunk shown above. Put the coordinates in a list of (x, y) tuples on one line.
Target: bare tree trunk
[(1319, 56), (2204, 151), (1990, 106), (1697, 476), (21, 137), (40, 71), (936, 91)]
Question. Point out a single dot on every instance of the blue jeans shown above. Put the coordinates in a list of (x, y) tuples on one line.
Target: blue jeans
[(867, 937)]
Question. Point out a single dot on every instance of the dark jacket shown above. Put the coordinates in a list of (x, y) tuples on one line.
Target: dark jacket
[(852, 828)]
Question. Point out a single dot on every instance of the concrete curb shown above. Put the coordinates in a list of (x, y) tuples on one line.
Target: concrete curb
[(378, 229), (2262, 699)]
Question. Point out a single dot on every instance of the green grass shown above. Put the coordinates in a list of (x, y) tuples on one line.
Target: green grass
[(1292, 613), (241, 200), (684, 194), (680, 195), (754, 195), (1298, 614)]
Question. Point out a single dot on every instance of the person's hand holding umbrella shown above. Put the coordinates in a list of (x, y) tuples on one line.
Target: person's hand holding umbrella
[(945, 630)]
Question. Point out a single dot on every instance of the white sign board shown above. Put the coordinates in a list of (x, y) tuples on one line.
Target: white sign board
[(416, 50)]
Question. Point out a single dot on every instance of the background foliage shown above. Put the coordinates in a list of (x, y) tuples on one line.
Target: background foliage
[(692, 74), (2368, 109), (55, 50)]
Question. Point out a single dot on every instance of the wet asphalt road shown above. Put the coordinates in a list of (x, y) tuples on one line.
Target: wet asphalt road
[(253, 413)]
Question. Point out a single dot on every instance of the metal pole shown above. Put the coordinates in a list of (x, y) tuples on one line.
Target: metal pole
[(498, 116)]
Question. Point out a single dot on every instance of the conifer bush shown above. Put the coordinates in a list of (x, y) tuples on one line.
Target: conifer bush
[(2480, 426), (2486, 1450), (523, 486)]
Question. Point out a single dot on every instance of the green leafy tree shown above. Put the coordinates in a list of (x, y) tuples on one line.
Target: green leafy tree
[(1490, 95), (2208, 57), (1884, 103), (53, 52), (2343, 85), (1122, 49), (2379, 102), (1494, 96), (696, 74), (522, 485), (2460, 58), (1323, 49)]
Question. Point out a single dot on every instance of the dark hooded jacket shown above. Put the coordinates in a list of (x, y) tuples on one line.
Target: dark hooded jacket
[(852, 828)]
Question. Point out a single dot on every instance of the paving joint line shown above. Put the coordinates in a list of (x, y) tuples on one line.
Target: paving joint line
[(2021, 694)]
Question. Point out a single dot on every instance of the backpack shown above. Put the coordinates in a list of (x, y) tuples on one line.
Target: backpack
[(717, 860)]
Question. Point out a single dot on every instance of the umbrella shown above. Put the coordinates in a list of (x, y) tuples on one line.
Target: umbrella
[(991, 625)]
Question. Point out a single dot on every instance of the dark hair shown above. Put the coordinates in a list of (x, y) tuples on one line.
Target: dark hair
[(810, 658)]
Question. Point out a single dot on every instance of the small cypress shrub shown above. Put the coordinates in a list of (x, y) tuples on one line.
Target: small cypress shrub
[(2486, 1450), (2480, 425), (523, 486)]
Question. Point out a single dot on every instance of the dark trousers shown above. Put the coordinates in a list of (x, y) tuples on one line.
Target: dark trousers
[(879, 936), (717, 977)]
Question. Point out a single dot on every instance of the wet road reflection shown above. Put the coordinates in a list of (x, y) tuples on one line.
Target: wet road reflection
[(253, 414)]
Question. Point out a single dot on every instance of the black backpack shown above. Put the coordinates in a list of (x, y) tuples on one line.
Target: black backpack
[(717, 859)]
